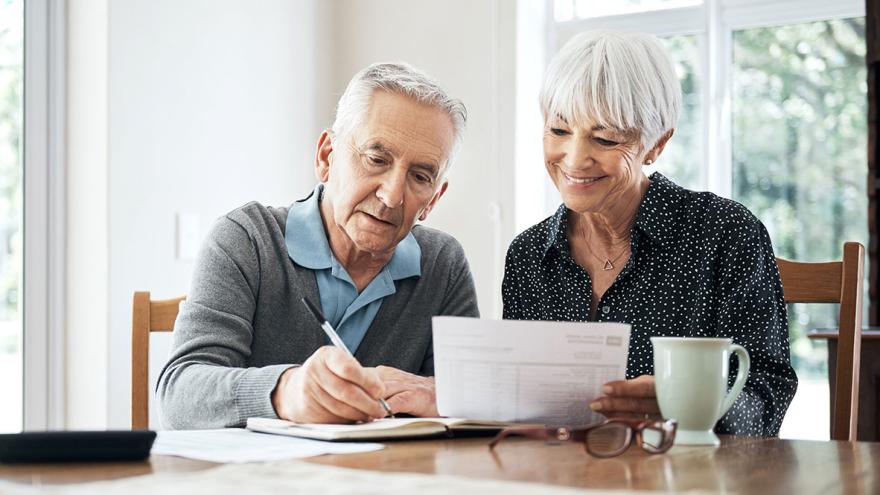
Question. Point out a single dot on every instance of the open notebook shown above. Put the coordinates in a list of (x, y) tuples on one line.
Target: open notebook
[(379, 429)]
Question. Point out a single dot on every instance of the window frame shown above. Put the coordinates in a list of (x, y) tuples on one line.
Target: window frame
[(43, 214)]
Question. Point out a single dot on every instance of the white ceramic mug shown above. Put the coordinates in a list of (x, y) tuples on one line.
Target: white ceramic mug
[(691, 383)]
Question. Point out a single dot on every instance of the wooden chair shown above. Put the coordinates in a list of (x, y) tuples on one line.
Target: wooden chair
[(835, 282), (146, 316)]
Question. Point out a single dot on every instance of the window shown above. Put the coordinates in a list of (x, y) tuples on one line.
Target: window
[(800, 161), (11, 106), (566, 10), (774, 117), (681, 160)]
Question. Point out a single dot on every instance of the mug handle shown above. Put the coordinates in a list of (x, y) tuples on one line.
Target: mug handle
[(741, 375)]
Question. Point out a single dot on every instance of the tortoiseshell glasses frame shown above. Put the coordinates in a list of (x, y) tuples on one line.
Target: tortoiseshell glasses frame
[(606, 439)]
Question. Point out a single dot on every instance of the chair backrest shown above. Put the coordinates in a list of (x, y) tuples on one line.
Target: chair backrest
[(146, 316), (835, 282)]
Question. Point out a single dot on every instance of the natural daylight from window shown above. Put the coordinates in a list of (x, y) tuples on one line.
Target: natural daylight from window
[(11, 106)]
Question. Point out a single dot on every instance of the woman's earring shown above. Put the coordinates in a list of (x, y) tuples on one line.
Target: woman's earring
[(648, 162)]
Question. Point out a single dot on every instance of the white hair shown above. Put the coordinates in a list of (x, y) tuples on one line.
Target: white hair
[(622, 81), (400, 78)]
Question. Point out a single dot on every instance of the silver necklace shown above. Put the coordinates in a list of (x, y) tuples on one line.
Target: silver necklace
[(607, 263)]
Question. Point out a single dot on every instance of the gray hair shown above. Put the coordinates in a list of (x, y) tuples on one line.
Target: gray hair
[(622, 81), (400, 78)]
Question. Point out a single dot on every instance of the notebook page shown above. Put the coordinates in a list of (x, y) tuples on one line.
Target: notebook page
[(378, 425)]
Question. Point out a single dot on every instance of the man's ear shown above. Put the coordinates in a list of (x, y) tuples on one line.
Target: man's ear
[(655, 152), (434, 200), (323, 151)]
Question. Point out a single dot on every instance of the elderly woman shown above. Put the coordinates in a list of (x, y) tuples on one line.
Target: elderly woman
[(639, 249)]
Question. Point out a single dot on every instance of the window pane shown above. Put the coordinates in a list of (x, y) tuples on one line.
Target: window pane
[(682, 159), (11, 65), (585, 9), (800, 164)]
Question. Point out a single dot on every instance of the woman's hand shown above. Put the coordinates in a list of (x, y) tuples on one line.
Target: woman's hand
[(634, 397)]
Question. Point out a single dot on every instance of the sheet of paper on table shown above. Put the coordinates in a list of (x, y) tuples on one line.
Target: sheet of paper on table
[(239, 445), (525, 371)]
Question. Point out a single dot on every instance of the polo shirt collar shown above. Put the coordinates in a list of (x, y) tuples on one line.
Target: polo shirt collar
[(307, 243), (304, 233), (406, 261)]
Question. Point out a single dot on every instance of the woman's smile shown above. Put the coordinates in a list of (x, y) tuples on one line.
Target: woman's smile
[(581, 182)]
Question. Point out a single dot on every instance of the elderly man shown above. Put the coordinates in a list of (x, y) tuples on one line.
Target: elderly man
[(244, 344)]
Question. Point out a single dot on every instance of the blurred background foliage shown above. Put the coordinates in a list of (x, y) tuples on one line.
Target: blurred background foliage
[(799, 125), (11, 84), (799, 108)]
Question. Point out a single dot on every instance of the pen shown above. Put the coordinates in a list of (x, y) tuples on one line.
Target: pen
[(336, 340)]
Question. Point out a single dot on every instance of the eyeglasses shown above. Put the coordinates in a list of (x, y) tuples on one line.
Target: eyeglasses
[(606, 439)]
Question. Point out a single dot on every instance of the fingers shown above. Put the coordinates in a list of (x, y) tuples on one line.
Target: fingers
[(397, 381), (347, 368), (387, 373), (324, 390), (418, 402), (631, 405), (641, 387), (623, 397), (332, 409), (395, 387), (401, 403), (299, 398), (409, 393), (341, 395), (332, 387)]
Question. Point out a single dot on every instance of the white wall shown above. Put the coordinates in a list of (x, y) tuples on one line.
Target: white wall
[(206, 105), (87, 256), (211, 104)]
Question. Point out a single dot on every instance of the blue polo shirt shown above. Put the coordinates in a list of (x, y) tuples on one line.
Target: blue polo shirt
[(350, 313)]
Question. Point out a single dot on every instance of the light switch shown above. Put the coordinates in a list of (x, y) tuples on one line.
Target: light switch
[(188, 236)]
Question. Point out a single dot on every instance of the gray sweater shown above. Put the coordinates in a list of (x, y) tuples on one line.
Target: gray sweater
[(243, 324)]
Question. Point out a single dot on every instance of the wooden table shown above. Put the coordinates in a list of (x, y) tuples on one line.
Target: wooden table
[(745, 465), (869, 379)]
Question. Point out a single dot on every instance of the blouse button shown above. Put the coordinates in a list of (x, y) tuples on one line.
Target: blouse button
[(606, 309)]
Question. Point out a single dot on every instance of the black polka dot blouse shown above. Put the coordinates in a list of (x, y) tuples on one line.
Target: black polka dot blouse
[(701, 265)]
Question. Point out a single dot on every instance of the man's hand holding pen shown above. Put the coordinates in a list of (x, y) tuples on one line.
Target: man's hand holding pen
[(330, 387)]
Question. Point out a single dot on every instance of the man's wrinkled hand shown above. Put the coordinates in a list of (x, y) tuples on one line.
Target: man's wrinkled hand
[(408, 393), (330, 387)]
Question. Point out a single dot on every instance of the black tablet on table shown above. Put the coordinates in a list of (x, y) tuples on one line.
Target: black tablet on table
[(76, 446)]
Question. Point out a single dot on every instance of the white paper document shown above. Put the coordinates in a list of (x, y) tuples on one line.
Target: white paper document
[(525, 371), (239, 445)]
